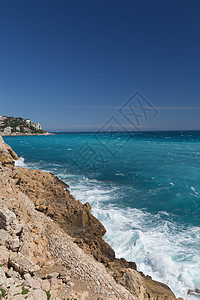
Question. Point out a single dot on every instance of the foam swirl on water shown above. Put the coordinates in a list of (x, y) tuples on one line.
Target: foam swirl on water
[(20, 162)]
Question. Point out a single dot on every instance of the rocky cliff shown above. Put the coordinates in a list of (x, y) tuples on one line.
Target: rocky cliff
[(52, 247), (7, 155)]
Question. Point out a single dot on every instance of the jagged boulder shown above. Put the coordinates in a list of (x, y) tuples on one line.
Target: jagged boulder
[(9, 227), (23, 265), (158, 290), (134, 282), (195, 293), (11, 242), (8, 221), (7, 155)]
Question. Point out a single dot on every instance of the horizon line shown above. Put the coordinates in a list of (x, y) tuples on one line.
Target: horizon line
[(118, 107), (135, 131)]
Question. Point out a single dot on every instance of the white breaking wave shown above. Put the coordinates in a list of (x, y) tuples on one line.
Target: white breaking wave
[(20, 162), (162, 249)]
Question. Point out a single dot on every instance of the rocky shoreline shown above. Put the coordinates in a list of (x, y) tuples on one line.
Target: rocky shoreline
[(25, 134), (52, 247)]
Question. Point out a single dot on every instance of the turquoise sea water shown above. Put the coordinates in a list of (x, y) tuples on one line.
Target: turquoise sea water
[(144, 187)]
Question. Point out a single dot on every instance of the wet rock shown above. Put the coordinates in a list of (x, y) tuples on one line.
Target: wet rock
[(194, 292)]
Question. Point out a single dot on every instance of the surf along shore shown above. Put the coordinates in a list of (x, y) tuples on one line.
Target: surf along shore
[(52, 247)]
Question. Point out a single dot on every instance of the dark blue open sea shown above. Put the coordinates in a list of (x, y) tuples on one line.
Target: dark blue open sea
[(144, 187)]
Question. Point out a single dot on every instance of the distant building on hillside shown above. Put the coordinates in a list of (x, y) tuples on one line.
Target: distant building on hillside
[(38, 126), (8, 130), (28, 122), (15, 126), (26, 129)]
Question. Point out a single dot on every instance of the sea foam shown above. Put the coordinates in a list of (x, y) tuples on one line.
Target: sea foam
[(159, 247), (20, 162)]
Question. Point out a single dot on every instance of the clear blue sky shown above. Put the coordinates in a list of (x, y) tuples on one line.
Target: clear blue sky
[(52, 51)]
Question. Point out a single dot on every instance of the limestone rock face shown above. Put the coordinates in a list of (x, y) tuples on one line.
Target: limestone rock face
[(7, 155), (50, 196), (9, 227), (134, 282), (158, 290), (49, 261), (23, 265), (8, 221)]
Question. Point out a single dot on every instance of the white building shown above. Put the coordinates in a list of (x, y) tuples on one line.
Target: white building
[(8, 130), (38, 126), (28, 122), (18, 128), (26, 129)]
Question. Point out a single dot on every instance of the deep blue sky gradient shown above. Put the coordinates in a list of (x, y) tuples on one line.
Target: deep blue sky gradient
[(52, 51)]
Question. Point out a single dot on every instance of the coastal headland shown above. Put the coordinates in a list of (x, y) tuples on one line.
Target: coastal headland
[(52, 247), (18, 126)]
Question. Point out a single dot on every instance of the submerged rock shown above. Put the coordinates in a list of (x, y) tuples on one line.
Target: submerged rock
[(194, 292)]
